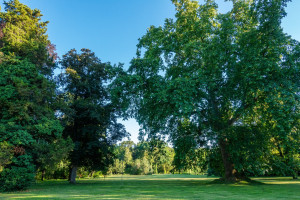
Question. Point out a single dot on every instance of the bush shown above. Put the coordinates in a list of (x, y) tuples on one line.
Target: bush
[(18, 175), (136, 167), (6, 153), (97, 174), (215, 166)]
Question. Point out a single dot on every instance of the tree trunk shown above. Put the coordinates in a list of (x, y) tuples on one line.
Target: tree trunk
[(91, 175), (73, 174), (295, 175), (43, 174), (70, 172), (230, 173)]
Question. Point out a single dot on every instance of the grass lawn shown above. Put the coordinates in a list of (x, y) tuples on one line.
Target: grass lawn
[(160, 187)]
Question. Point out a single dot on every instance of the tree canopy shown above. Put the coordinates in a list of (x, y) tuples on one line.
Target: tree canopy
[(233, 77), (27, 116), (222, 87), (90, 119)]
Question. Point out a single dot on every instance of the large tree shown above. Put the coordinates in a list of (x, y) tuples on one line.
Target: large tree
[(234, 77), (90, 119), (27, 117)]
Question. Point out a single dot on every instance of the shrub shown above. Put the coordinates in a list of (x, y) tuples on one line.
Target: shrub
[(18, 175)]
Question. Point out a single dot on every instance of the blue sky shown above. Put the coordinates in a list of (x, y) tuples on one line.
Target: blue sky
[(111, 28)]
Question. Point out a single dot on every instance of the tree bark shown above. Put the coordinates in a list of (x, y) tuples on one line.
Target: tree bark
[(230, 173), (73, 174), (70, 172), (43, 174), (91, 175)]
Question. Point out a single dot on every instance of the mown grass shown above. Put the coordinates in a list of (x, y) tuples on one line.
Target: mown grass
[(161, 187)]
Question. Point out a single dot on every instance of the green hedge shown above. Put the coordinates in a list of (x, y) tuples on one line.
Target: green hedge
[(18, 175)]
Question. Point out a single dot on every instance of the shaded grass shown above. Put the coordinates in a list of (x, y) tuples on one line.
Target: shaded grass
[(161, 187)]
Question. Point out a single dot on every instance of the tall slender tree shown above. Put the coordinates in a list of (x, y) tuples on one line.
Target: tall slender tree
[(89, 116)]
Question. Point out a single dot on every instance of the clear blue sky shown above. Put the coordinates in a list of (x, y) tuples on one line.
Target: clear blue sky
[(111, 28)]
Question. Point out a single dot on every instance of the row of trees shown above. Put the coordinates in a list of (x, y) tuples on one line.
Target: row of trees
[(144, 158), (154, 156), (43, 119), (223, 87)]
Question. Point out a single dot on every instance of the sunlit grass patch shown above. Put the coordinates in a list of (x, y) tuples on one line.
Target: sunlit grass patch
[(161, 187)]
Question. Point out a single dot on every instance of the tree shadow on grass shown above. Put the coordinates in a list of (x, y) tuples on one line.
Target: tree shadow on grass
[(246, 181)]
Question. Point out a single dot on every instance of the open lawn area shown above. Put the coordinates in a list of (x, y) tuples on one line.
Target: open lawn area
[(161, 187)]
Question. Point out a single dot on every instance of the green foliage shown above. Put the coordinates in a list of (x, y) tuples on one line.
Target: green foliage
[(118, 167), (89, 117), (58, 171), (49, 155), (23, 35), (141, 167), (188, 153), (147, 157), (6, 154), (97, 174), (225, 74), (214, 159), (27, 117), (160, 155), (18, 175)]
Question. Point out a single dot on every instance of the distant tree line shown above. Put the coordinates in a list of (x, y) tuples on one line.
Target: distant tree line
[(144, 158), (224, 88)]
